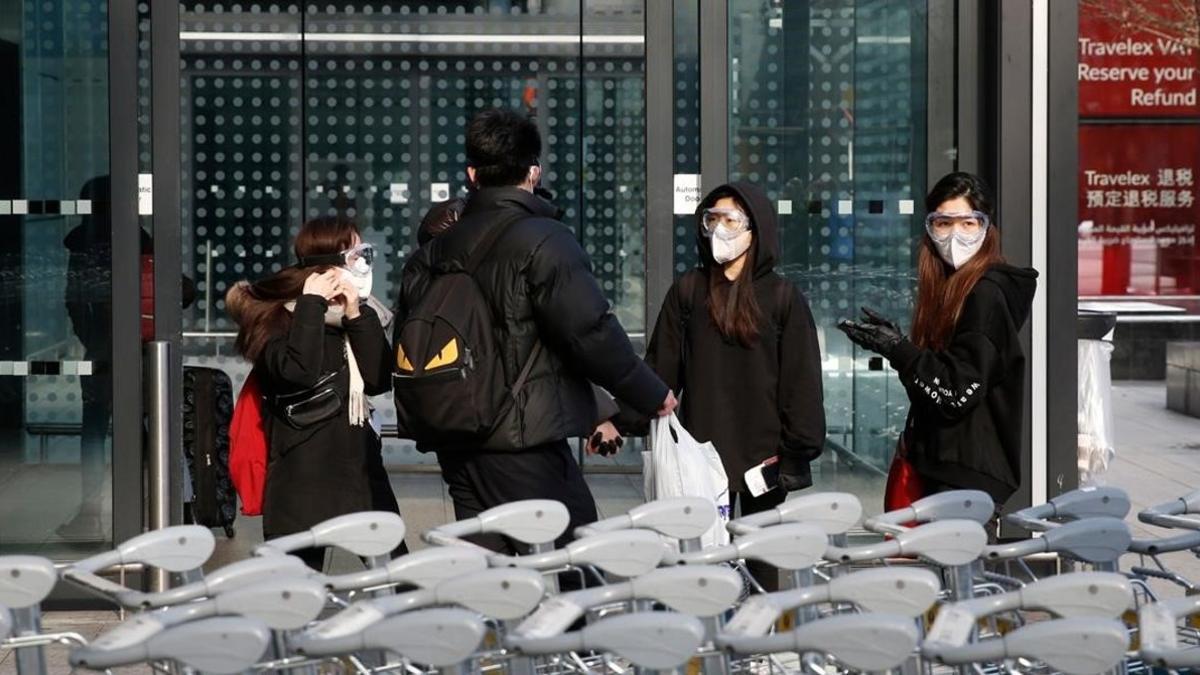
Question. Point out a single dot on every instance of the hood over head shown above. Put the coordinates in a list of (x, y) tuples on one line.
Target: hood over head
[(1019, 285), (764, 224)]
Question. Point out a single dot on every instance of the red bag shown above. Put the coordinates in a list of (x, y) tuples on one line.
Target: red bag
[(903, 482), (248, 447), (147, 297)]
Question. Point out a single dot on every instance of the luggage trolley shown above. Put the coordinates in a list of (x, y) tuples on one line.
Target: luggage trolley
[(219, 645), (25, 581), (280, 606), (180, 549), (654, 642), (1085, 638), (496, 595), (703, 591)]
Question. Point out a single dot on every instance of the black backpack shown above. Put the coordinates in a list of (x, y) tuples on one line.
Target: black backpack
[(448, 383)]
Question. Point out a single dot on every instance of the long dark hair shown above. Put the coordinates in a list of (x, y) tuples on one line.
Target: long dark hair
[(258, 307), (942, 290), (733, 305)]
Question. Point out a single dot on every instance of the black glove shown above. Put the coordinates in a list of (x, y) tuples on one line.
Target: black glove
[(794, 473), (606, 448), (874, 332)]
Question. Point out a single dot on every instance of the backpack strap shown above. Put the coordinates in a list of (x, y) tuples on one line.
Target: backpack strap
[(482, 249), (525, 371), (488, 242)]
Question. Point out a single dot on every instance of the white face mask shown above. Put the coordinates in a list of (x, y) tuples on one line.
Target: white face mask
[(726, 250), (360, 281), (957, 249)]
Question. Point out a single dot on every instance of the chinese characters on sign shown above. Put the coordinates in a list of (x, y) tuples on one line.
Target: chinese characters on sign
[(1139, 152)]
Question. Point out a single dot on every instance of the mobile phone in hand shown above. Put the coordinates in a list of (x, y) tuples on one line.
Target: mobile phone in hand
[(763, 478)]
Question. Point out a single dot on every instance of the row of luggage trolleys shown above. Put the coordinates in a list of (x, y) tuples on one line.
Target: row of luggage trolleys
[(930, 595)]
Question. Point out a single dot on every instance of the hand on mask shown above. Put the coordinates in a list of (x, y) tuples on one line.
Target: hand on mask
[(324, 284), (348, 297), (873, 332)]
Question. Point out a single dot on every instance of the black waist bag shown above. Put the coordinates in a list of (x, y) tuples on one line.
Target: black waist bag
[(449, 385), (320, 402)]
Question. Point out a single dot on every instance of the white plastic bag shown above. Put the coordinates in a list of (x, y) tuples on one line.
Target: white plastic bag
[(1096, 440), (678, 466)]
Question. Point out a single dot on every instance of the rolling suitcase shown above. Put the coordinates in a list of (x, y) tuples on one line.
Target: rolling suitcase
[(207, 412)]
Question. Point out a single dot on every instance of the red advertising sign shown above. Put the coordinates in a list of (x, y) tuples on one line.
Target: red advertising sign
[(1138, 210), (1127, 70)]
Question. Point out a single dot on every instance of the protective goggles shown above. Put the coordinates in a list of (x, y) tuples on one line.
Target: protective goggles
[(970, 225), (724, 223), (358, 259)]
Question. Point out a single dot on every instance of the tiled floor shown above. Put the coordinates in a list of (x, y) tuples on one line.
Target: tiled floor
[(1158, 457)]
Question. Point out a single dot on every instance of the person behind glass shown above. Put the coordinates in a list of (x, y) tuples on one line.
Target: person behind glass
[(88, 300), (315, 334), (738, 342), (963, 367)]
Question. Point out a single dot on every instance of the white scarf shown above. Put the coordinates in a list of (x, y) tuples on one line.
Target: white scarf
[(358, 407)]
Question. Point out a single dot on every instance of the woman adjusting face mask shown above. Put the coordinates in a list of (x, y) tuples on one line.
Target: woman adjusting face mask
[(957, 235), (355, 263), (728, 228)]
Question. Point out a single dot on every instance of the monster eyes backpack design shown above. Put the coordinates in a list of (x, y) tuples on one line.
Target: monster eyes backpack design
[(448, 383)]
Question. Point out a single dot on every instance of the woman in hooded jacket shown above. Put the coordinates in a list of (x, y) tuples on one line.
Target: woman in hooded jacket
[(963, 367), (737, 343), (315, 335)]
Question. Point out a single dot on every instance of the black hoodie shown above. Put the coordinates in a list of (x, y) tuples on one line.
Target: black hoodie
[(751, 402), (968, 400)]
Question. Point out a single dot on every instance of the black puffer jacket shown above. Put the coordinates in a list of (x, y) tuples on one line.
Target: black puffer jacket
[(968, 400), (539, 283)]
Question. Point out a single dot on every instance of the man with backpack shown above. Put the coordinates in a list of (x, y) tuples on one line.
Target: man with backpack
[(501, 328)]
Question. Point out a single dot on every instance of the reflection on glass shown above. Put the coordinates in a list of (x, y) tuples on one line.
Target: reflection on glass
[(827, 113), (56, 283), (368, 120)]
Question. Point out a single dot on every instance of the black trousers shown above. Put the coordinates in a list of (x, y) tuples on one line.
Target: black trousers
[(483, 479), (764, 574)]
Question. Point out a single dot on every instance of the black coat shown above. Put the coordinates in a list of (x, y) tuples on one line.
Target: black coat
[(539, 282), (751, 402), (968, 400), (331, 468)]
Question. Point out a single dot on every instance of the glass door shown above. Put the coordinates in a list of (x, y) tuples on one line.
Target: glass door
[(56, 284), (291, 111), (827, 112)]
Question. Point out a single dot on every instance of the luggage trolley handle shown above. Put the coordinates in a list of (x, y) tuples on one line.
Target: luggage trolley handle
[(1158, 633), (973, 505), (834, 512), (1175, 513), (684, 518)]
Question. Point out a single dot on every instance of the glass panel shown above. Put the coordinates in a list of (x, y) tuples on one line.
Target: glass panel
[(1139, 156), (827, 111), (687, 122), (1139, 161), (56, 290), (241, 189), (367, 117)]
